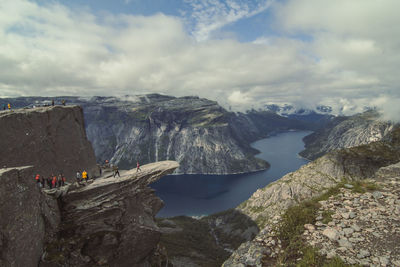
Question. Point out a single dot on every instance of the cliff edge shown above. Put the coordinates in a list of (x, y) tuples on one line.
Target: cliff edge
[(51, 139)]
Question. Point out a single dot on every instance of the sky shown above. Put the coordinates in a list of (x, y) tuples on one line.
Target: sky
[(243, 54)]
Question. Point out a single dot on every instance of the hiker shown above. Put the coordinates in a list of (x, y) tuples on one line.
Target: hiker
[(63, 102), (116, 171), (78, 176), (63, 180), (9, 106), (49, 182), (59, 180), (4, 107), (42, 181), (37, 178), (84, 175), (54, 181), (52, 102), (107, 164), (138, 166)]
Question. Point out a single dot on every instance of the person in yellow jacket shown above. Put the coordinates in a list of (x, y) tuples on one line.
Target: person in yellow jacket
[(84, 176), (9, 106)]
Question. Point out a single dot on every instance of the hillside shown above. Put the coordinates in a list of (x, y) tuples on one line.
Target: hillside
[(345, 132), (282, 208)]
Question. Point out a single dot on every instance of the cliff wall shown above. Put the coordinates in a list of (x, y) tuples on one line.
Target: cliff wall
[(28, 218), (51, 139)]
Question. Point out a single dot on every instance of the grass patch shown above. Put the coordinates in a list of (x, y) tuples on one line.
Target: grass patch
[(326, 216), (363, 186)]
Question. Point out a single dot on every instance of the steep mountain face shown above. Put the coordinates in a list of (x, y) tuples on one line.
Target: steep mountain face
[(344, 132), (28, 219), (198, 133), (52, 139), (266, 205)]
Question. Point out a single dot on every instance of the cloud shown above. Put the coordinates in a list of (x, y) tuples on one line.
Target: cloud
[(325, 53), (208, 16)]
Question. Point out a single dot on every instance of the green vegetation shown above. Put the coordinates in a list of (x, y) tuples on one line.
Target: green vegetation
[(291, 227)]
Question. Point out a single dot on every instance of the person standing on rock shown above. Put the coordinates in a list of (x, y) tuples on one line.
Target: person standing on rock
[(63, 180), (138, 166), (54, 181), (42, 181), (78, 176), (59, 180), (49, 182), (37, 178), (9, 106), (84, 175), (116, 171)]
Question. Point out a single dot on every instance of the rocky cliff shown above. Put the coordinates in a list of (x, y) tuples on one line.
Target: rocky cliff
[(52, 139), (28, 218), (344, 132), (267, 206), (109, 221)]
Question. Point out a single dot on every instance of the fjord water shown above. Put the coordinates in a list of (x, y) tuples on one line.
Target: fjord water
[(196, 195)]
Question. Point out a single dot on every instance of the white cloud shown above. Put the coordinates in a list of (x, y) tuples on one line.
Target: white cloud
[(348, 57), (208, 16)]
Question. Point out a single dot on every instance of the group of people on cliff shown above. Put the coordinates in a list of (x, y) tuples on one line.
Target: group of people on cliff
[(63, 102), (52, 181)]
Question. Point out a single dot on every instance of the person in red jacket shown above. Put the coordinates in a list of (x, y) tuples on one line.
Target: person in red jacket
[(54, 181), (37, 179), (138, 166)]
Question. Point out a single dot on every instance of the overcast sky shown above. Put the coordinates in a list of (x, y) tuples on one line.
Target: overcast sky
[(241, 53)]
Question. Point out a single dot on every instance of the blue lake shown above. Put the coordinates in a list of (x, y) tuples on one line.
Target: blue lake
[(195, 195)]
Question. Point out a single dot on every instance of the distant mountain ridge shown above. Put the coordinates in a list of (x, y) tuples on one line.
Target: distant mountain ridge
[(198, 133), (345, 132)]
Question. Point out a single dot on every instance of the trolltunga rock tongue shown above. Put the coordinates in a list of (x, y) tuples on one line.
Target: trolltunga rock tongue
[(111, 221)]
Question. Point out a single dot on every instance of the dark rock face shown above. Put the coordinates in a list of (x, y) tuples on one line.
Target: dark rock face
[(27, 218), (110, 221), (52, 139), (345, 132)]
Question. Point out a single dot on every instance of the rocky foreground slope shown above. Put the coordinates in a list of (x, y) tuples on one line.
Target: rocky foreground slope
[(198, 133), (267, 205), (345, 132), (363, 228), (52, 139)]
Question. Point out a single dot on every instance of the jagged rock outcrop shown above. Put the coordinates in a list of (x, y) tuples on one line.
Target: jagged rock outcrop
[(28, 218), (345, 132), (198, 133), (110, 221), (266, 205), (51, 139)]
